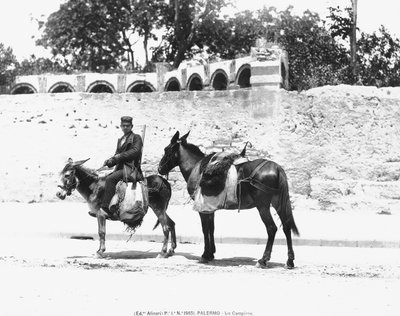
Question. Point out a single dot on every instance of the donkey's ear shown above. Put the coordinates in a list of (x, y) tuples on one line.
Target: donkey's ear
[(175, 138), (183, 138), (70, 160), (80, 162)]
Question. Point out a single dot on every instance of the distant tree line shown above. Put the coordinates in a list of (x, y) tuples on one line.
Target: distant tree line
[(99, 36)]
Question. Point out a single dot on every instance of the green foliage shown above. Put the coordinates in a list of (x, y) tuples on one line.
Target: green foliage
[(96, 35), (148, 16), (183, 24), (8, 63), (37, 66), (229, 38), (315, 58), (379, 59), (340, 22), (88, 35)]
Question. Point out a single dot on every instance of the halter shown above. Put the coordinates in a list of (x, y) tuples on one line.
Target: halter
[(72, 185), (168, 160)]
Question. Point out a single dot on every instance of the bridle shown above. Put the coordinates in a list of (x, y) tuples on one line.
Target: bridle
[(165, 164), (70, 184)]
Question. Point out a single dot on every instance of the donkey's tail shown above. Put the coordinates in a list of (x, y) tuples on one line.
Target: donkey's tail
[(284, 202), (156, 225)]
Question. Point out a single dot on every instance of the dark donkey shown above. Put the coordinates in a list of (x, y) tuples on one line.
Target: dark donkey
[(91, 187), (268, 186)]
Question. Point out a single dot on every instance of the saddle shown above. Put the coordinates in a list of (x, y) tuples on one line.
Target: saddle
[(218, 183), (131, 201), (131, 198), (216, 167), (215, 173)]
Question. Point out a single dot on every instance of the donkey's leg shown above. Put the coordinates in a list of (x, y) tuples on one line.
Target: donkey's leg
[(288, 234), (211, 233), (269, 223), (101, 224), (171, 226), (205, 224), (287, 230), (163, 219), (164, 224)]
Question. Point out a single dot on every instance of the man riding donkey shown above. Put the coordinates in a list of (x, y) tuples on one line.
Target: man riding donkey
[(127, 160)]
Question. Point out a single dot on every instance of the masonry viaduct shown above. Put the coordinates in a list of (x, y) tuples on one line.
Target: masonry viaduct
[(267, 65)]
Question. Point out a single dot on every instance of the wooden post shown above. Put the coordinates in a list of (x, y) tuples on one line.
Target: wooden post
[(353, 41)]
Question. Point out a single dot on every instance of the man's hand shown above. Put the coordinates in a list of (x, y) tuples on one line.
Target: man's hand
[(109, 162)]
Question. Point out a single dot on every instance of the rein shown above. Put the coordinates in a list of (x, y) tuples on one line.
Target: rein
[(76, 182)]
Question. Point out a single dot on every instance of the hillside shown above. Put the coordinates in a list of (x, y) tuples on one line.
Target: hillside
[(340, 145)]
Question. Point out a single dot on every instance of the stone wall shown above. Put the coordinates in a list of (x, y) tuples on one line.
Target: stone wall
[(339, 145)]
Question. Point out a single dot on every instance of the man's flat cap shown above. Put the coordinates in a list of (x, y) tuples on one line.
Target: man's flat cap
[(126, 119)]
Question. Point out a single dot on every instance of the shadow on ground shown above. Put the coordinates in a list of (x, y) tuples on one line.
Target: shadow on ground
[(223, 262)]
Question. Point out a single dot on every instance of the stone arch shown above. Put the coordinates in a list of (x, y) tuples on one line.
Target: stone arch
[(172, 85), (61, 87), (140, 86), (243, 76), (195, 83), (219, 80), (100, 86), (23, 88)]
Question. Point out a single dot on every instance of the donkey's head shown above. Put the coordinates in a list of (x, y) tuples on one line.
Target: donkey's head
[(68, 178), (171, 155)]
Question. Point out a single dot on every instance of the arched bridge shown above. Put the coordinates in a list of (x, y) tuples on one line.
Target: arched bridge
[(263, 67)]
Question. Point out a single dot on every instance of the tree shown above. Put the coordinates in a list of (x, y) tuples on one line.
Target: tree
[(8, 64), (37, 66), (230, 37), (183, 22), (89, 35), (353, 39), (315, 57), (344, 25), (146, 17), (379, 58)]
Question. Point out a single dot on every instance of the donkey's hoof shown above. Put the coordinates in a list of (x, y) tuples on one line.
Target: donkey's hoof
[(261, 264), (289, 264), (171, 252), (206, 260), (100, 254), (162, 255)]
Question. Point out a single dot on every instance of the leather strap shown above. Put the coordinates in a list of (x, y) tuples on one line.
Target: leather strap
[(255, 183)]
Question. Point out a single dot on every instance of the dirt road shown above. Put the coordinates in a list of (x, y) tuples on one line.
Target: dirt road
[(54, 276)]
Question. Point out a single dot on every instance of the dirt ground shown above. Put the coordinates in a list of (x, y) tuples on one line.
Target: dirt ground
[(48, 276)]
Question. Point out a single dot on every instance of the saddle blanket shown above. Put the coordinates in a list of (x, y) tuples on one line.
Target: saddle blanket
[(132, 203), (225, 199)]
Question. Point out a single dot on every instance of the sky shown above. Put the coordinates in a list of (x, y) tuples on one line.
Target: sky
[(17, 18)]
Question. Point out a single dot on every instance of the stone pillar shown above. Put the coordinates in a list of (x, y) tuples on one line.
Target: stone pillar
[(266, 65), (80, 83), (207, 75), (42, 84), (121, 83), (184, 78), (161, 70), (232, 76)]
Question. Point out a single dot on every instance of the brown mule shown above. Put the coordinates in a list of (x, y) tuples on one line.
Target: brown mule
[(263, 183)]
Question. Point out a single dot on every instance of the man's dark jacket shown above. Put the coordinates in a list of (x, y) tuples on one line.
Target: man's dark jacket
[(129, 153)]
